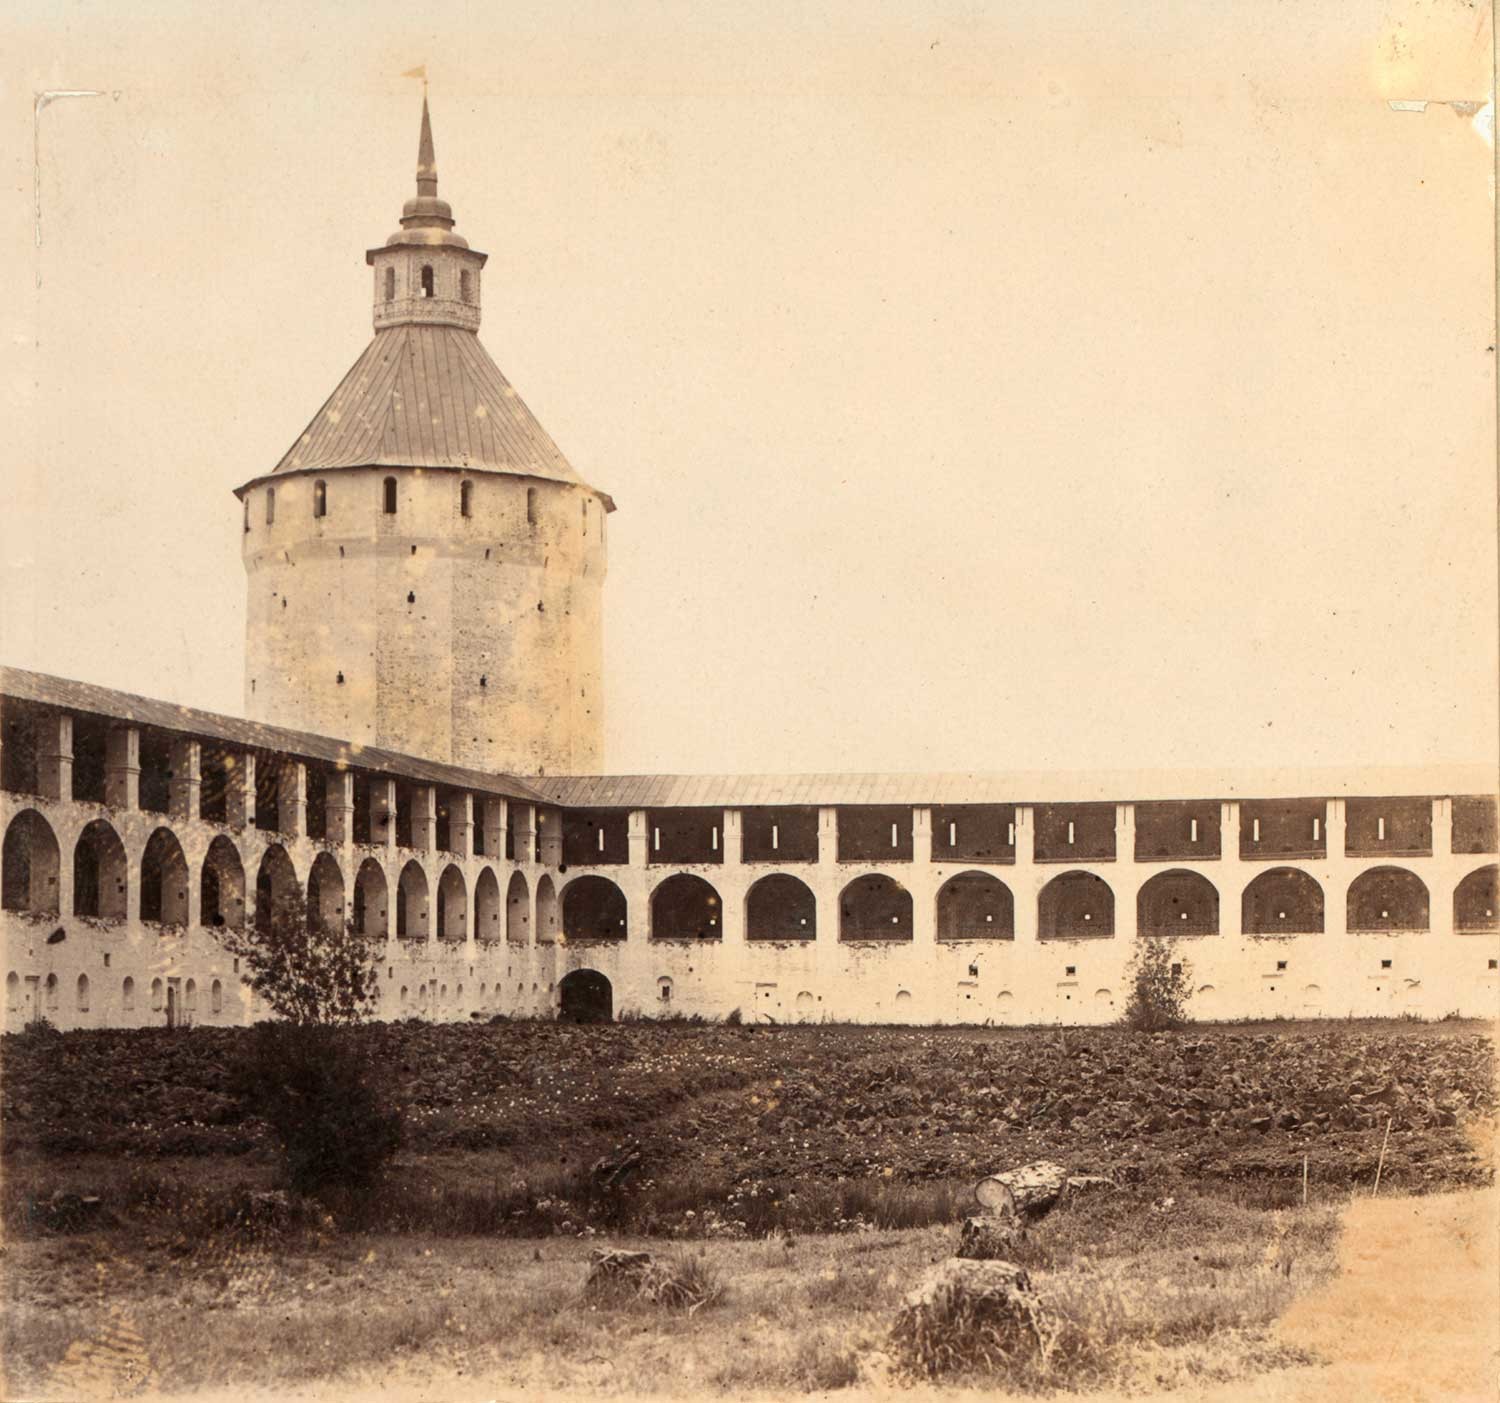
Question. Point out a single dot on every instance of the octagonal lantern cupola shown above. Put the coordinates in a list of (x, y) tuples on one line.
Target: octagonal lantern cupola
[(425, 273)]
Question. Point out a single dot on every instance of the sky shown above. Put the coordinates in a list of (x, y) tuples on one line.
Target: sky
[(1024, 386)]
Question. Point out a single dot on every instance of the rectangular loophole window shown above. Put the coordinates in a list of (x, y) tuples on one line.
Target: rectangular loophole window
[(895, 841), (1070, 832), (714, 840), (1380, 829), (656, 840), (601, 839), (1010, 832), (1385, 964), (1071, 969), (1317, 829), (775, 836), (952, 835), (1193, 831), (1255, 830), (1280, 965)]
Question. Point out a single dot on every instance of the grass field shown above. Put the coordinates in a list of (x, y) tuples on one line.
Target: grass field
[(1181, 1292), (814, 1173)]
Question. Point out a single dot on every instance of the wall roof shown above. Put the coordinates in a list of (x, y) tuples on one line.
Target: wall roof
[(1012, 787), (168, 716)]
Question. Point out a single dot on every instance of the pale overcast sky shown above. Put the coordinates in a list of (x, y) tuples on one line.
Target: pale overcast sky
[(982, 386)]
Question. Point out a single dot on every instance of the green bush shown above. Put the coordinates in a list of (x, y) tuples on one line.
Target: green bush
[(1159, 989), (317, 1091)]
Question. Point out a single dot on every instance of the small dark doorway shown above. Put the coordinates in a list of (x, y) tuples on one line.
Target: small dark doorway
[(586, 998)]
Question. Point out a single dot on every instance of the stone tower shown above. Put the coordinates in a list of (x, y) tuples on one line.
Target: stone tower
[(424, 568)]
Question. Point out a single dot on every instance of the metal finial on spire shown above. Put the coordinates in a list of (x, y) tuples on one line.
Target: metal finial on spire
[(426, 161)]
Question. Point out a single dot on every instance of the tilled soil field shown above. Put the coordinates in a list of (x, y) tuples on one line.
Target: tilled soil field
[(806, 1105)]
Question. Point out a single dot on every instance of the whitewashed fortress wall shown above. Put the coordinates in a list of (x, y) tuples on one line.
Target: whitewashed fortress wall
[(134, 830)]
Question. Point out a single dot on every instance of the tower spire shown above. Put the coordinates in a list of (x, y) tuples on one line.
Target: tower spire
[(426, 161)]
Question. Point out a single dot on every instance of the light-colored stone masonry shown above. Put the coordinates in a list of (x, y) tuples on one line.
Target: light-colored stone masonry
[(509, 952)]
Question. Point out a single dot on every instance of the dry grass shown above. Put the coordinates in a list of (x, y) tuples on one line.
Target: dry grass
[(1185, 1293)]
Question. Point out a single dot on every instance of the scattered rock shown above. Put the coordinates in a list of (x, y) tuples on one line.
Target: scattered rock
[(989, 1238)]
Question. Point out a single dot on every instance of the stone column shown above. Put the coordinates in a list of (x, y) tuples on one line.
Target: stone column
[(54, 757), (549, 832), (1127, 876), (523, 830), (1024, 875), (1230, 876), (635, 880), (338, 807), (920, 880), (1337, 869), (186, 783), (383, 823), (122, 768), (424, 821), (239, 796), (461, 824), (1442, 831), (734, 838), (291, 798), (494, 827)]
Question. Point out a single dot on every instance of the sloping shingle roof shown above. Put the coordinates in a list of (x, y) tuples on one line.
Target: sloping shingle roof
[(169, 716), (1008, 787), (427, 396)]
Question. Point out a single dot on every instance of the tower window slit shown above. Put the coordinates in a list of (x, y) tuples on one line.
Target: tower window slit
[(1318, 828), (1255, 830), (270, 505), (390, 284), (1193, 831), (427, 280), (531, 506), (775, 837), (1380, 829), (952, 835), (320, 498), (895, 841), (466, 499), (465, 286), (1070, 833), (390, 496)]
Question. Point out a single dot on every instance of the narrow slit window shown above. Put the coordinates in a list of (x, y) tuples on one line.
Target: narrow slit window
[(466, 286), (531, 506), (390, 496), (466, 499), (1380, 829), (1010, 832), (270, 505), (894, 839), (427, 280), (775, 837), (1317, 829), (952, 835), (320, 498), (714, 840), (247, 515), (656, 840), (1193, 831), (601, 839), (1070, 833), (390, 284), (1255, 830)]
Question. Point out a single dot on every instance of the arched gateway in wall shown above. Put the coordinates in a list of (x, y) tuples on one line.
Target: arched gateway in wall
[(586, 997)]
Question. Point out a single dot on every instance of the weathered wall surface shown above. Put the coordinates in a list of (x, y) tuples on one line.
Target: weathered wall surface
[(474, 639), (510, 935)]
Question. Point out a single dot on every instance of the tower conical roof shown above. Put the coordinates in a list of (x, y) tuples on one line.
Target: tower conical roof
[(427, 396), (425, 393)]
